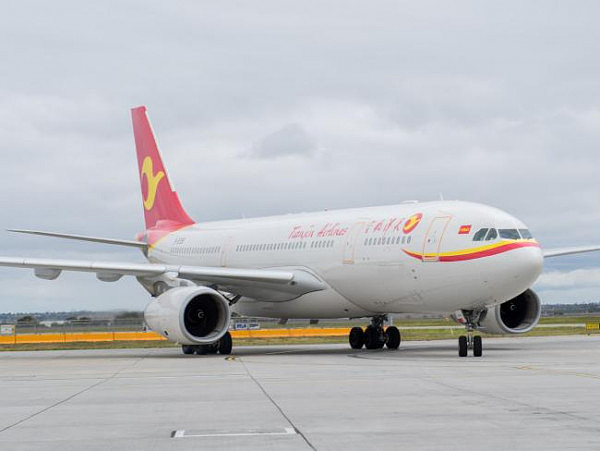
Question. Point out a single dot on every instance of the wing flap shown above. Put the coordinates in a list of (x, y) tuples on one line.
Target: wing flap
[(266, 284), (128, 269)]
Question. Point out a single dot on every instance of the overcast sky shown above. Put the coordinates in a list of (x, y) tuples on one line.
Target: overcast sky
[(273, 107)]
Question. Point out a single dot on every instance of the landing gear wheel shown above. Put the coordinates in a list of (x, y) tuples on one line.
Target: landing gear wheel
[(374, 338), (462, 346), (356, 338), (225, 344), (370, 337), (212, 348), (201, 349), (392, 335), (477, 346), (187, 349)]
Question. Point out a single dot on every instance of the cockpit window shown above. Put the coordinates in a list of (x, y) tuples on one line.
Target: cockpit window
[(510, 234), (492, 235), (480, 235), (526, 234)]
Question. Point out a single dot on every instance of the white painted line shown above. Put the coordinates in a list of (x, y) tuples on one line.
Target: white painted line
[(286, 431)]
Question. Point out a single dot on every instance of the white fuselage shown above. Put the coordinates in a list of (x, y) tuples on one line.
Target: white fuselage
[(412, 257)]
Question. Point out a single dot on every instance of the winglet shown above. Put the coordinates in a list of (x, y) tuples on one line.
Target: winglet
[(162, 207)]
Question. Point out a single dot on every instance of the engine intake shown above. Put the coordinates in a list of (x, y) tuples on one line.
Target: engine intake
[(515, 316), (189, 315)]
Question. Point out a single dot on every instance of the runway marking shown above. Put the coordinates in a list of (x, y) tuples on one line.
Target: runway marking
[(250, 433)]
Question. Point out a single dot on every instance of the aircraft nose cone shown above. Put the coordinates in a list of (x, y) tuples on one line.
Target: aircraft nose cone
[(517, 272), (528, 264)]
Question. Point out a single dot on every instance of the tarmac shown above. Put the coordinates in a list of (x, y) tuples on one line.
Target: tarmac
[(524, 393)]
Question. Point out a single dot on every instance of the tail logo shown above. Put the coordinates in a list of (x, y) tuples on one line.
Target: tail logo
[(152, 180)]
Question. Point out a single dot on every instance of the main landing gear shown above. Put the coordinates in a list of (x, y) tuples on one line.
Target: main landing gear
[(375, 336), (223, 347), (470, 341)]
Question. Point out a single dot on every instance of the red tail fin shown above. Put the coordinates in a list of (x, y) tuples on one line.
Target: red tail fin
[(162, 208)]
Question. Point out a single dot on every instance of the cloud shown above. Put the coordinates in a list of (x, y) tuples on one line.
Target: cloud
[(291, 139), (383, 102), (581, 278)]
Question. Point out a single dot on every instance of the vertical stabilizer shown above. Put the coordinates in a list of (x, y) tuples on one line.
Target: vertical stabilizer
[(162, 208)]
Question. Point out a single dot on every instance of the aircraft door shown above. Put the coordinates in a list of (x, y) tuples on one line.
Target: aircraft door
[(350, 242), (433, 239), (226, 250)]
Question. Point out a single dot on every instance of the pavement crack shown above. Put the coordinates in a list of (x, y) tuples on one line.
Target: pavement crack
[(74, 395), (534, 409), (277, 406)]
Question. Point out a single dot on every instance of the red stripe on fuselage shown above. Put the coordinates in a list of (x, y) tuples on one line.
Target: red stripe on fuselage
[(478, 254)]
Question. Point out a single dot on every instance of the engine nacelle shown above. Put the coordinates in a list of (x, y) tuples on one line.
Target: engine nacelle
[(516, 316), (189, 315)]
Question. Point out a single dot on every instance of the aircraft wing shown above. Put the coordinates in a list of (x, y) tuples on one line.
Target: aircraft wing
[(93, 239), (569, 251), (264, 284)]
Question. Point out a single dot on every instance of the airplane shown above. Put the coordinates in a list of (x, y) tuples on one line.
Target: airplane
[(470, 261)]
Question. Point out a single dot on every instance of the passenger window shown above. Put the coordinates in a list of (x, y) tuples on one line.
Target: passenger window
[(480, 235), (509, 234), (492, 235), (408, 239), (526, 234)]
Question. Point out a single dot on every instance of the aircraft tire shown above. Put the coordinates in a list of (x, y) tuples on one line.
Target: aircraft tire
[(371, 338), (201, 349), (187, 349), (225, 344), (393, 337), (356, 337), (213, 348), (477, 346), (462, 346)]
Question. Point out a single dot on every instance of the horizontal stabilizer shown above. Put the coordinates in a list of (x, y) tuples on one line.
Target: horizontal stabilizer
[(93, 239)]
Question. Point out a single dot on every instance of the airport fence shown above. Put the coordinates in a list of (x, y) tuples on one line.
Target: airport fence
[(28, 333), (115, 331)]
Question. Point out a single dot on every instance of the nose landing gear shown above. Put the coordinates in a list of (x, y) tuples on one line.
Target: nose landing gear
[(375, 336), (470, 341)]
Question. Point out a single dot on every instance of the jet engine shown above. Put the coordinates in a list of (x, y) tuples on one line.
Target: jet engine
[(189, 315), (515, 316)]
